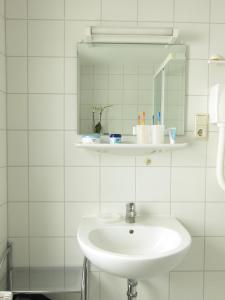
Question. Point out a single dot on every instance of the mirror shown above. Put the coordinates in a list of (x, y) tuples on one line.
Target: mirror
[(118, 81)]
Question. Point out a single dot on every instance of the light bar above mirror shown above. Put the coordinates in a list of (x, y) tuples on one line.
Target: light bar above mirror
[(143, 35)]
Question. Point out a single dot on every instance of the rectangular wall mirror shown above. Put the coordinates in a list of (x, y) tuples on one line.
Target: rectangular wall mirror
[(118, 81)]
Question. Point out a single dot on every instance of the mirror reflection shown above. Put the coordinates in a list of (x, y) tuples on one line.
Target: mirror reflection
[(116, 82)]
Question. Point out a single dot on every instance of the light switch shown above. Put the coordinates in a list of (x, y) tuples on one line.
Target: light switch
[(201, 125)]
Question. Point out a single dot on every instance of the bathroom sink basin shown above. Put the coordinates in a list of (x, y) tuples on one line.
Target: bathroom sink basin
[(134, 251)]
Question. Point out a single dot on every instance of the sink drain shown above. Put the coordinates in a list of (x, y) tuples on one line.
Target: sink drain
[(131, 231)]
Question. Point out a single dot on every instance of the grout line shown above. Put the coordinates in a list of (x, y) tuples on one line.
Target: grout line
[(137, 21), (6, 122), (28, 147), (100, 183), (206, 158), (64, 146), (72, 236), (171, 183), (138, 202), (100, 12), (109, 166), (113, 20)]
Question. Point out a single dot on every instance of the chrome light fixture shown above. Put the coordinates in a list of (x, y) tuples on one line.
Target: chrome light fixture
[(143, 35)]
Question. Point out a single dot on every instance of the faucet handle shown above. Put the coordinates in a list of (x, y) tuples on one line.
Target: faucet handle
[(131, 207), (130, 212)]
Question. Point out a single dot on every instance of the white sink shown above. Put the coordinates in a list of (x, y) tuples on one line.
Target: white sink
[(139, 250)]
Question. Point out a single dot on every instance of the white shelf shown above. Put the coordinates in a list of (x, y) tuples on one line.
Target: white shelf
[(131, 149)]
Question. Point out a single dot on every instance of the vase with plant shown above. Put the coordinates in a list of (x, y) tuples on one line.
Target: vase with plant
[(97, 109)]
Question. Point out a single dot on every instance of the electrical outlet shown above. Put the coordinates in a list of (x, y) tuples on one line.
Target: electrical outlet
[(201, 125)]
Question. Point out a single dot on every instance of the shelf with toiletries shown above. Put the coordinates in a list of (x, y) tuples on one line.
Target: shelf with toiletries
[(127, 148), (146, 139)]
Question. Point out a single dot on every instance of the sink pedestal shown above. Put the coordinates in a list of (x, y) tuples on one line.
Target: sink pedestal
[(131, 289)]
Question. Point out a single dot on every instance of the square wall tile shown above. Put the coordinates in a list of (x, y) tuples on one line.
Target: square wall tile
[(217, 8), (123, 10), (17, 75), (131, 82), (2, 35), (77, 9), (192, 11), (46, 219), (3, 184), (3, 154), (16, 9), (149, 182), (17, 184), (213, 191), (196, 37), (117, 184), (147, 210), (74, 33), (16, 37), (188, 184), (214, 219), (186, 286), (71, 112), (2, 110), (216, 74), (73, 254), (194, 261), (154, 288), (2, 73), (74, 213), (46, 111), (197, 77), (214, 253), (17, 219), (46, 75), (214, 285), (20, 252), (17, 148), (4, 227), (212, 149), (49, 280), (46, 9), (117, 160), (192, 156), (2, 8), (46, 148), (76, 156), (216, 44), (46, 184), (114, 207), (108, 283), (191, 215), (17, 111), (75, 190), (70, 75), (46, 38), (155, 11), (195, 105), (43, 252)]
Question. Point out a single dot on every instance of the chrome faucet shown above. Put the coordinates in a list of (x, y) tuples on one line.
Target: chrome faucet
[(130, 212)]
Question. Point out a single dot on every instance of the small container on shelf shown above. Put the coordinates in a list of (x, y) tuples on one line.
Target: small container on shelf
[(115, 138)]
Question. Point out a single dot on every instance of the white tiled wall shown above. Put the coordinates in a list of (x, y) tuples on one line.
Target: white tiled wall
[(3, 154), (51, 183)]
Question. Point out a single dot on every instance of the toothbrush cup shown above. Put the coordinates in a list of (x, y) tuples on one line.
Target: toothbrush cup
[(143, 133), (157, 132)]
